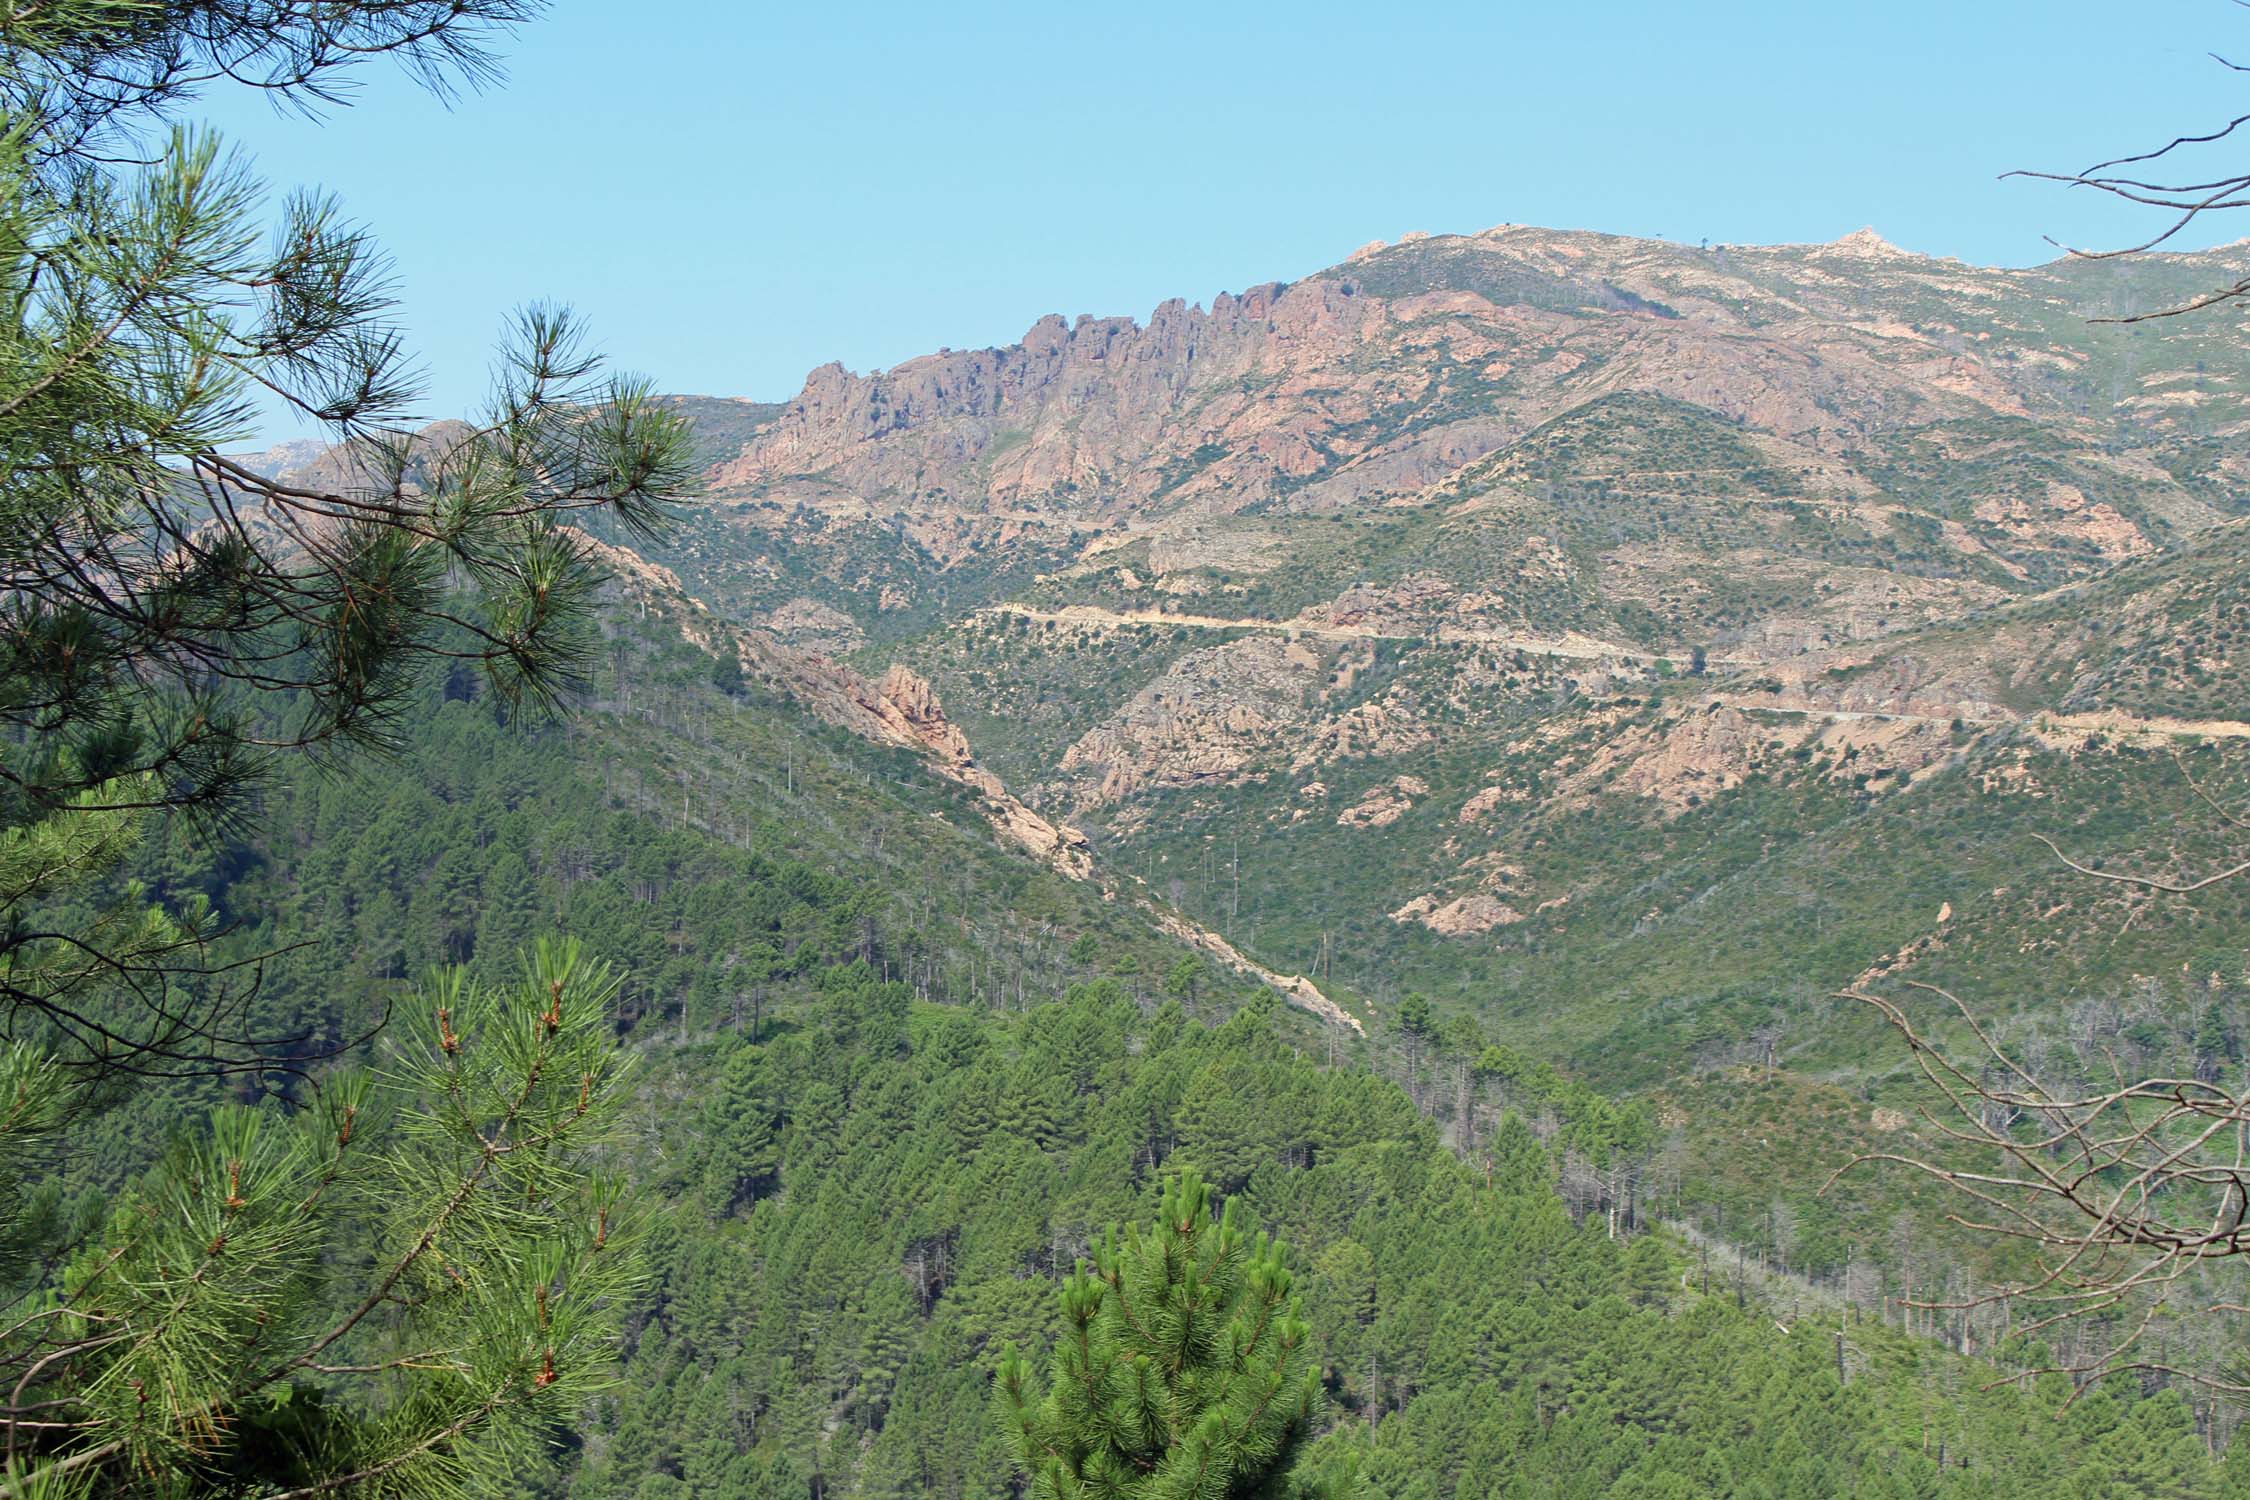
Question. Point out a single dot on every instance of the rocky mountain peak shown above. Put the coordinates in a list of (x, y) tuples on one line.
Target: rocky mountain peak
[(1865, 244), (1368, 383)]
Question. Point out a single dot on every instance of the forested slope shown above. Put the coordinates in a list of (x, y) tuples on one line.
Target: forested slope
[(875, 1198), (895, 1077)]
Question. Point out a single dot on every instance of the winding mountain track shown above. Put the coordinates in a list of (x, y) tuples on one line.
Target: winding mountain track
[(2102, 721), (1570, 645), (2110, 721)]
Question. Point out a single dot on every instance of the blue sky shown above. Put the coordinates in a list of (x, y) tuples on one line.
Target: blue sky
[(732, 195)]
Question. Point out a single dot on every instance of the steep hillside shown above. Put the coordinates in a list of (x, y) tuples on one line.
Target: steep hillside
[(1474, 540), (1626, 644)]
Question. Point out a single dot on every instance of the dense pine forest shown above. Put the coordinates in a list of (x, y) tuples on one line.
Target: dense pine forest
[(867, 1166)]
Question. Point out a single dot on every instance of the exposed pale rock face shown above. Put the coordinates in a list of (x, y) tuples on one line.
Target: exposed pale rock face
[(1366, 730), (906, 711), (1465, 916), (909, 700), (1329, 392), (1641, 522), (822, 627), (1864, 244), (1486, 801), (1296, 988), (904, 702), (902, 709), (325, 466), (1411, 605), (1685, 760), (1213, 719), (1706, 749), (1495, 871), (1903, 683), (2067, 515), (632, 567), (1599, 453), (1382, 806), (1054, 415)]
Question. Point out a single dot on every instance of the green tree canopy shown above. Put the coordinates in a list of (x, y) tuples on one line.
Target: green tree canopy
[(190, 1340), (1183, 1371), (174, 619)]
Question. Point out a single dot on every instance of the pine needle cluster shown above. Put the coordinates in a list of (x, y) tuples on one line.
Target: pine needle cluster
[(405, 1289), (1183, 1372)]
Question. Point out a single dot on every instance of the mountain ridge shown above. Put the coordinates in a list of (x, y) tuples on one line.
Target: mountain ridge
[(1365, 385), (1512, 531)]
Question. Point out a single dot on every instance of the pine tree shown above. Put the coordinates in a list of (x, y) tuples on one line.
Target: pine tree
[(176, 623), (1183, 1372), (194, 1336), (175, 626), (1033, 1105), (745, 1153), (1417, 1022), (2214, 1044), (1648, 1272), (1221, 1124)]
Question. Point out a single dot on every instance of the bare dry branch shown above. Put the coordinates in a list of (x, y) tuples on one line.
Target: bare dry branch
[(2186, 202)]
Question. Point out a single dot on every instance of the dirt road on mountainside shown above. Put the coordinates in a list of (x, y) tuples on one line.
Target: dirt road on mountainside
[(1569, 645)]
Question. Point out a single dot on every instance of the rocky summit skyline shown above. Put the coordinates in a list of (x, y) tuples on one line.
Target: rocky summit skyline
[(1473, 545)]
